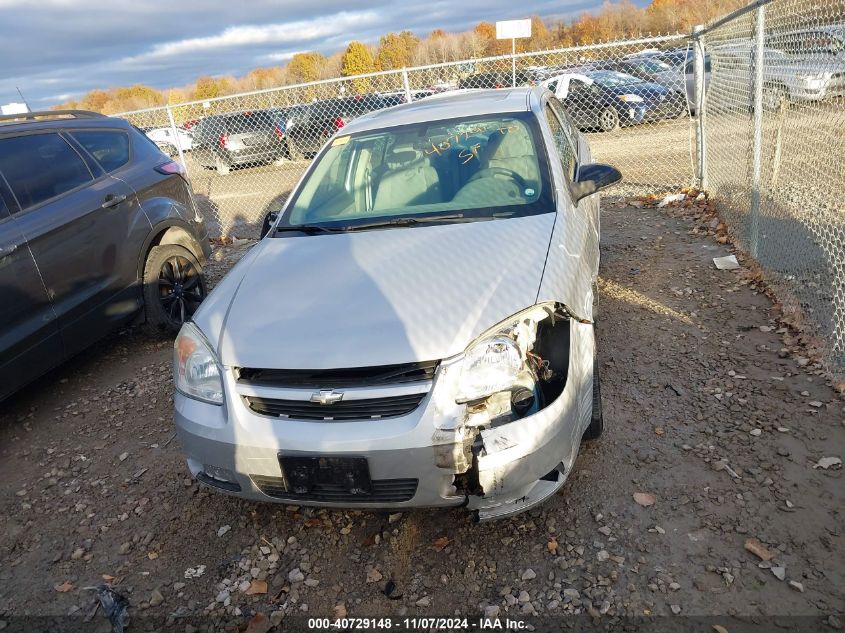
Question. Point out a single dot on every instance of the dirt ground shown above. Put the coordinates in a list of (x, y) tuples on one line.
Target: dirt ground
[(705, 413)]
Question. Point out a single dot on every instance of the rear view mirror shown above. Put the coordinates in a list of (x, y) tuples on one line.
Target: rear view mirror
[(592, 178), (269, 220)]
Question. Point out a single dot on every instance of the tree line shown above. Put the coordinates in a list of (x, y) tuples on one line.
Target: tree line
[(615, 20)]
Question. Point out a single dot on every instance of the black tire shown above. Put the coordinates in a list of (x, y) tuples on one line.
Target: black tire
[(293, 152), (596, 427), (773, 94), (174, 287), (608, 119)]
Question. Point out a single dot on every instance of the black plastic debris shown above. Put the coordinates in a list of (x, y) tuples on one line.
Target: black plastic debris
[(115, 605), (391, 591)]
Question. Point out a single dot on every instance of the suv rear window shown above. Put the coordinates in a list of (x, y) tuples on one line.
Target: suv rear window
[(109, 148), (41, 166)]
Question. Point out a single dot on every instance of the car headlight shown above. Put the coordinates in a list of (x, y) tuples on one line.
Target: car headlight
[(631, 98), (490, 365), (497, 360), (196, 371)]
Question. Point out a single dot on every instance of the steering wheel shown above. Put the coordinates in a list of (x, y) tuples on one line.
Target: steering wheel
[(500, 171)]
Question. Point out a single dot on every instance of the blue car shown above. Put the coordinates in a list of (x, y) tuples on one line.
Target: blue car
[(607, 99)]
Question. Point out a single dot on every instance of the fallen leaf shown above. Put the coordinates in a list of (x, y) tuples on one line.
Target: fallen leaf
[(552, 545), (719, 628), (256, 587), (313, 522), (339, 611), (645, 499), (107, 577), (259, 623), (827, 462), (440, 544), (755, 547), (64, 587), (152, 555)]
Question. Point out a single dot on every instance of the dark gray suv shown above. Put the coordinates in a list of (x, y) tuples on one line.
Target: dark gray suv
[(98, 229)]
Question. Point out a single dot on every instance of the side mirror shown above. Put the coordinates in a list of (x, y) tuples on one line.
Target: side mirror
[(592, 178), (269, 220)]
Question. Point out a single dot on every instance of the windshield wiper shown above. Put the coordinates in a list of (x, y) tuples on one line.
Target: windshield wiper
[(410, 221), (308, 229)]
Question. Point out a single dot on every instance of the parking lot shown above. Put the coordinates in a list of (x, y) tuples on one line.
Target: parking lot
[(708, 414), (235, 204)]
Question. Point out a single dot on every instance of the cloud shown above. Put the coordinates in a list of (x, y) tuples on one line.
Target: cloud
[(237, 36), (68, 47)]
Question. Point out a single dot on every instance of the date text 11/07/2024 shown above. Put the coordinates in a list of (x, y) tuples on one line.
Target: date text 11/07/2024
[(417, 624)]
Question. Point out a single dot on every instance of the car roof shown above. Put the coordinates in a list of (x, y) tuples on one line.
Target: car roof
[(448, 105), (13, 124)]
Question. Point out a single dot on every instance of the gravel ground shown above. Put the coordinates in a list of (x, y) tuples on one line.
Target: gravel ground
[(704, 497)]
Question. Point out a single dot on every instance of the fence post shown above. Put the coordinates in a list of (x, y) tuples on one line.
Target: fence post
[(407, 84), (176, 139), (699, 79), (757, 155), (513, 63)]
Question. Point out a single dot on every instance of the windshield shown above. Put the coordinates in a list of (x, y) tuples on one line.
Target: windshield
[(652, 66), (611, 78), (459, 169)]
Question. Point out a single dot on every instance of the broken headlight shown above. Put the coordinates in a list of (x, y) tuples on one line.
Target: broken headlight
[(489, 366), (196, 371), (497, 361)]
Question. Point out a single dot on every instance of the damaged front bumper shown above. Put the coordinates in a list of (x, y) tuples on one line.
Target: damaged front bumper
[(435, 456)]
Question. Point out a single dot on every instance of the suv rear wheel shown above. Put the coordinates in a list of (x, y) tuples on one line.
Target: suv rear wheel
[(174, 287)]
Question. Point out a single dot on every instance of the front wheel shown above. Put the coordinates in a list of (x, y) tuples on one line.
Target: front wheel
[(174, 287), (608, 119), (293, 152)]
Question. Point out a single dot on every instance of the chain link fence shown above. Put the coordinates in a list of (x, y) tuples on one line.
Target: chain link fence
[(775, 155), (245, 153)]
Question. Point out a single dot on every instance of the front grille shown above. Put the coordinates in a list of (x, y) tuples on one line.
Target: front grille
[(368, 409), (339, 378), (383, 491)]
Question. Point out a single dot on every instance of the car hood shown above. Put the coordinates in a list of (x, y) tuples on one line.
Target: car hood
[(374, 297)]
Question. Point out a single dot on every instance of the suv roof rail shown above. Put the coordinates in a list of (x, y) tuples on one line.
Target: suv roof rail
[(33, 116)]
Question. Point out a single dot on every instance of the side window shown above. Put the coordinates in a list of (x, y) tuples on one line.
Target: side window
[(565, 121), (565, 150), (109, 148), (41, 166)]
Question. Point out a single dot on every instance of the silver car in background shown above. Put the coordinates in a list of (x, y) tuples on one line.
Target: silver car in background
[(417, 327)]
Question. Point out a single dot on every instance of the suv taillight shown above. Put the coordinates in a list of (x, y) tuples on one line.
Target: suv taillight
[(339, 122), (171, 167), (224, 141), (279, 133)]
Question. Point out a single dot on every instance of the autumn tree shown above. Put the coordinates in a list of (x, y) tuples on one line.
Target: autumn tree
[(305, 67), (396, 50), (357, 60), (210, 87)]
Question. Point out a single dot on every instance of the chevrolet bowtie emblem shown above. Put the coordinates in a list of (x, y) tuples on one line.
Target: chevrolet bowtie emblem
[(326, 396)]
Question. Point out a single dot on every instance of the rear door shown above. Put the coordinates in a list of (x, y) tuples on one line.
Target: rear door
[(29, 333), (581, 103), (78, 222)]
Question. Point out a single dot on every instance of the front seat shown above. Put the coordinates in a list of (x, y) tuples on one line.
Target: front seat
[(514, 152), (410, 180)]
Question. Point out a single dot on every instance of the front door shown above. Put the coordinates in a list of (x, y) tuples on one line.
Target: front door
[(29, 334), (75, 223)]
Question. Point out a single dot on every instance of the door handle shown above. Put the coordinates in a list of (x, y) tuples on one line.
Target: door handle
[(113, 200), (5, 251)]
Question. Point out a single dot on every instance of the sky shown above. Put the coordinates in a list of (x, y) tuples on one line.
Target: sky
[(64, 48)]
